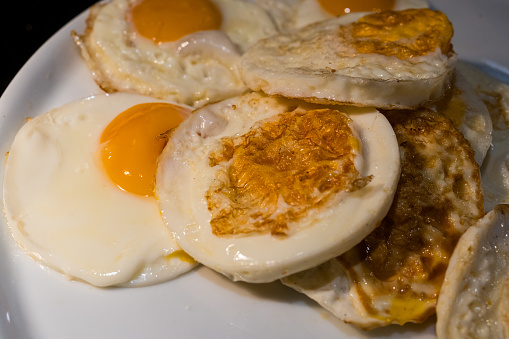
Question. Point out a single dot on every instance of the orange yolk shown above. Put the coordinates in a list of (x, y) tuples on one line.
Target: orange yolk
[(339, 7), (170, 20), (132, 142)]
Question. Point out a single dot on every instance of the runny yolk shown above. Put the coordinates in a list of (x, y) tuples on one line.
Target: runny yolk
[(340, 7), (132, 142), (170, 20)]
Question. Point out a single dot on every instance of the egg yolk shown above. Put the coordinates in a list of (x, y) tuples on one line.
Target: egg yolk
[(339, 7), (132, 142), (170, 20)]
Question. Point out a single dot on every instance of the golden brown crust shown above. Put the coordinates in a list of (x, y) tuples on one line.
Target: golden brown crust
[(299, 161), (390, 60), (438, 197), (404, 34)]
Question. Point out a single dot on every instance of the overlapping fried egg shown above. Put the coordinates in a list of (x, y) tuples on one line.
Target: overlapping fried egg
[(495, 169), (467, 111), (474, 299), (293, 14), (78, 190), (393, 59), (258, 187), (395, 274), (180, 50)]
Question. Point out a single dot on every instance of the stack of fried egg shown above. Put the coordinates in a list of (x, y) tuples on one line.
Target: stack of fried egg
[(340, 154)]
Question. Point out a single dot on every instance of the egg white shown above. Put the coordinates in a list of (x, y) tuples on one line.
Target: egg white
[(468, 112), (194, 70), (65, 212), (495, 168), (351, 288), (473, 301), (293, 14), (184, 176), (311, 63)]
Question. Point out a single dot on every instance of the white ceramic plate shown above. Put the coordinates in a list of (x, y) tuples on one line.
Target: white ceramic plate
[(36, 302)]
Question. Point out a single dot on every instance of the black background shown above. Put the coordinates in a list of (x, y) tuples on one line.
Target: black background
[(26, 25)]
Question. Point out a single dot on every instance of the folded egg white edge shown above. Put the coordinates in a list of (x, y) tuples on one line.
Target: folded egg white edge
[(473, 301), (315, 84)]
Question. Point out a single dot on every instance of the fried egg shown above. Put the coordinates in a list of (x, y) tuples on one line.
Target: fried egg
[(474, 299), (390, 60), (467, 111), (495, 169), (394, 275), (259, 187), (291, 14), (78, 191), (180, 50)]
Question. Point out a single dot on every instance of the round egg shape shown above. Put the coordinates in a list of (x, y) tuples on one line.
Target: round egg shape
[(199, 209), (157, 48), (66, 213)]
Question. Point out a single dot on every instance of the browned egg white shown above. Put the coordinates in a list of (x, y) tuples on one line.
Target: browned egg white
[(452, 106), (399, 268), (301, 158), (404, 34), (494, 102)]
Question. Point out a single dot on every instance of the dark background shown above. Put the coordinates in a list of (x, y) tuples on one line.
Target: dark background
[(26, 25)]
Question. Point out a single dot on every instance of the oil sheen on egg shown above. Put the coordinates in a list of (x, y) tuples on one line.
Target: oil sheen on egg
[(258, 187), (179, 50), (79, 191), (293, 14)]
